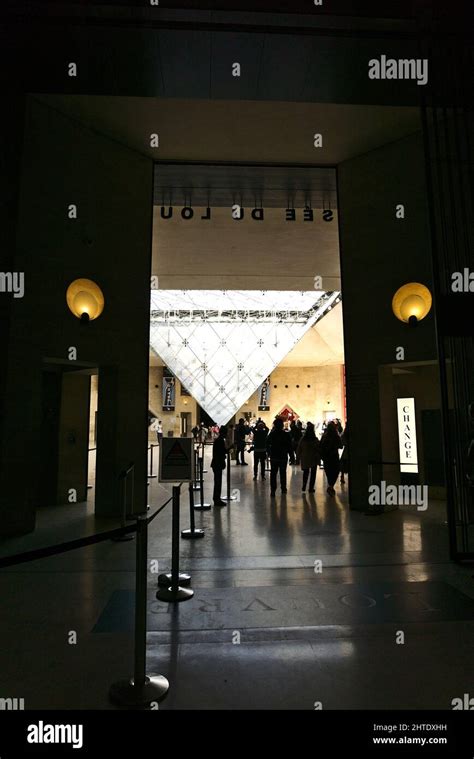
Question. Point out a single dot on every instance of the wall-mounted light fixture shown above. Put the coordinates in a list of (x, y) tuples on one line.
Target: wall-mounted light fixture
[(411, 303), (85, 299)]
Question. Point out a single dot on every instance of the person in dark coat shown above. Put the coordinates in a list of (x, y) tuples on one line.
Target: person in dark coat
[(241, 432), (279, 447), (309, 454), (330, 445), (259, 443), (219, 455), (345, 454)]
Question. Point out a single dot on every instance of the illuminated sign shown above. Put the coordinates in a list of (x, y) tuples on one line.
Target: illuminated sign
[(407, 435)]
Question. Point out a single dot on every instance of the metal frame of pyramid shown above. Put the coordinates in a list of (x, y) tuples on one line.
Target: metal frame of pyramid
[(222, 344)]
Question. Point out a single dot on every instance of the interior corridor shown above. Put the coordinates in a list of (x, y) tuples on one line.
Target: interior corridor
[(268, 627)]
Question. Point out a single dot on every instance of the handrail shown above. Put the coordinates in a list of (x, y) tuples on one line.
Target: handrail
[(71, 545), (395, 463), (127, 471)]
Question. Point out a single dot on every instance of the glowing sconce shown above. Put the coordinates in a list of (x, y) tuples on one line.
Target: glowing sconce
[(411, 303), (85, 299)]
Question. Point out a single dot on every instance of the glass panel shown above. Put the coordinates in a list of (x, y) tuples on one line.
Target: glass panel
[(222, 344)]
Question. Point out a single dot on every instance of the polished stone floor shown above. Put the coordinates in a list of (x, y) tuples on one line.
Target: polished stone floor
[(297, 600)]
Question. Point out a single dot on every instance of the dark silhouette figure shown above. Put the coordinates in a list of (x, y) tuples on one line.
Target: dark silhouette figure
[(259, 449), (241, 431), (330, 445), (279, 448), (345, 455), (308, 452), (219, 455)]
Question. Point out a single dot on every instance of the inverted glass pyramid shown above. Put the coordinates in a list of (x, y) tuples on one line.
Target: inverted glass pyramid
[(222, 344)]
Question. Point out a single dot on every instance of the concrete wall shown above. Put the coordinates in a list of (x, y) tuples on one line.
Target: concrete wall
[(379, 253), (65, 163), (222, 253)]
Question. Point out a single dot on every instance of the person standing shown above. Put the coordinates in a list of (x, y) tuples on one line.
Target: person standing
[(309, 454), (297, 435), (159, 432), (259, 449), (330, 445), (279, 448), (241, 432), (219, 455)]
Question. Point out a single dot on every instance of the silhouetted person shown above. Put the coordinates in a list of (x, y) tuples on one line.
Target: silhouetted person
[(330, 444), (241, 431), (344, 461), (159, 432), (308, 452), (259, 449), (297, 434), (219, 455), (279, 448)]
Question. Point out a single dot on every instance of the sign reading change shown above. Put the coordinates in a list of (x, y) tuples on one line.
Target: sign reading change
[(176, 460)]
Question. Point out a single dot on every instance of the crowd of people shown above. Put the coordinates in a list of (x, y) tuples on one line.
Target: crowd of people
[(285, 444)]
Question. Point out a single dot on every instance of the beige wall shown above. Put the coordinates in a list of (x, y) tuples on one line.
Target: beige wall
[(324, 394), (171, 419), (223, 253)]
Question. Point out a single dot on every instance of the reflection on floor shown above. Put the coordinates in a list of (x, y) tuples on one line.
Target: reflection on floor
[(297, 600)]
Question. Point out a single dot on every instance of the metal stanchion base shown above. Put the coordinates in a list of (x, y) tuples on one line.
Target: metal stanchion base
[(164, 580), (202, 506), (196, 487), (126, 693), (151, 476), (168, 594), (230, 498), (192, 534), (124, 538)]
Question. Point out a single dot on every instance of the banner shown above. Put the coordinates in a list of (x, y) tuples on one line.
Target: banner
[(264, 396), (169, 391), (407, 435)]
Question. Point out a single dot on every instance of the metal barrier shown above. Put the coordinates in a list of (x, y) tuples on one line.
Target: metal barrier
[(175, 592), (202, 505), (371, 465), (89, 487), (228, 497), (192, 532), (130, 471), (152, 476), (141, 690), (373, 510)]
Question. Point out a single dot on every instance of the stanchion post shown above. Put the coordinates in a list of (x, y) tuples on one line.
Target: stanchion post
[(151, 476), (202, 506), (203, 448), (196, 484), (192, 533), (229, 497), (124, 478), (140, 691), (175, 592)]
